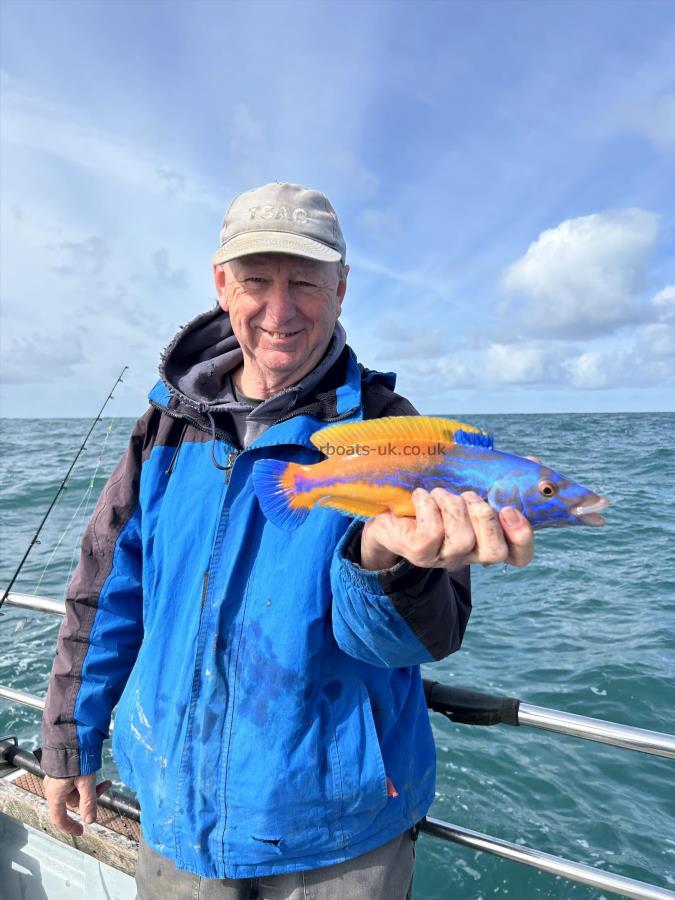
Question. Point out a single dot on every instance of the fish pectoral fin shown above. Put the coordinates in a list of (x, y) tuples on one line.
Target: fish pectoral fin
[(354, 507)]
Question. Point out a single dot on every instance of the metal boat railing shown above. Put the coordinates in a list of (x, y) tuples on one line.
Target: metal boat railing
[(37, 604), (459, 705), (474, 708)]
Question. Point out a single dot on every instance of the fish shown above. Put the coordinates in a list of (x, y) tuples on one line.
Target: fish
[(374, 466)]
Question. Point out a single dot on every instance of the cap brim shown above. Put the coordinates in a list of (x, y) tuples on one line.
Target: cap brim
[(274, 242)]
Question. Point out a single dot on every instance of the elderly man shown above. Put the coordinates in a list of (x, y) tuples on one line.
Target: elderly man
[(272, 718)]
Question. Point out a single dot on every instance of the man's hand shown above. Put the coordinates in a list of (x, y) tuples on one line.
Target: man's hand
[(447, 532), (77, 793)]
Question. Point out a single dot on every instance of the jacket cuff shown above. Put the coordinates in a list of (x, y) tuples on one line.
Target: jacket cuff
[(68, 763), (402, 576)]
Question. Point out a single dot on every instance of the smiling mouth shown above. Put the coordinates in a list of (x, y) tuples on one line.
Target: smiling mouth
[(280, 335), (588, 513)]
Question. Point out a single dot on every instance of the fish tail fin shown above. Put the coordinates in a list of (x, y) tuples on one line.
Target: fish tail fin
[(274, 485)]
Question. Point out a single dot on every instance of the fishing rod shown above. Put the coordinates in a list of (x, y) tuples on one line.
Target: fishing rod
[(34, 540)]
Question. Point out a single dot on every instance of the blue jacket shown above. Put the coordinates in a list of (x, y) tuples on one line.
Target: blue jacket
[(269, 686)]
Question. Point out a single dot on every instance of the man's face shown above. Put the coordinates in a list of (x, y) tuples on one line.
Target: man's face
[(283, 311)]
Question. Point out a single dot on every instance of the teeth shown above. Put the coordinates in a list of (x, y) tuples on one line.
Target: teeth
[(282, 334)]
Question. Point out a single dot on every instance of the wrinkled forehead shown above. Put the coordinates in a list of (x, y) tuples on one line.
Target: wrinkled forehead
[(276, 261)]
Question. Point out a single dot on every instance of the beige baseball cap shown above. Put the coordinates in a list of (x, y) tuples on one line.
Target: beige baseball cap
[(281, 218)]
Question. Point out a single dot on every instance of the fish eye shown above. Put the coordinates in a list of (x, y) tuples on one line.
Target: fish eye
[(547, 488)]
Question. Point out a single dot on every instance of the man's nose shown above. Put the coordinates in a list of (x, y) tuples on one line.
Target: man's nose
[(280, 305)]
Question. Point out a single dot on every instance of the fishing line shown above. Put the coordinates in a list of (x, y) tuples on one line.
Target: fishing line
[(35, 537), (74, 558), (83, 503)]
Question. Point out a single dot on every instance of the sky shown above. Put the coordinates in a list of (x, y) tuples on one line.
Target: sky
[(504, 174)]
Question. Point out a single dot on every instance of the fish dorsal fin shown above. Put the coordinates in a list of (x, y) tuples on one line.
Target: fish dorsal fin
[(399, 428)]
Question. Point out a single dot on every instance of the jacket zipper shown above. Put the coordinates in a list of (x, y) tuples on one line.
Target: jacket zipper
[(327, 419), (196, 672), (231, 458), (225, 436)]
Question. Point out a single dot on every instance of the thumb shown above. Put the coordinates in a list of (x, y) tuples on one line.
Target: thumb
[(103, 787), (86, 785)]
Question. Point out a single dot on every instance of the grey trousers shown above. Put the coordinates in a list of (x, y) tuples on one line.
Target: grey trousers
[(385, 873)]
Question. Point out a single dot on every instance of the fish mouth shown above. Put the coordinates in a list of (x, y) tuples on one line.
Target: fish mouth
[(588, 512)]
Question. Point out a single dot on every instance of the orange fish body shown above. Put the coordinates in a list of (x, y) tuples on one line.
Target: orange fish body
[(358, 483), (374, 467)]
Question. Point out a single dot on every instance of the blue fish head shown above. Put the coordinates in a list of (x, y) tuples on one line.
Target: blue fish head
[(546, 498)]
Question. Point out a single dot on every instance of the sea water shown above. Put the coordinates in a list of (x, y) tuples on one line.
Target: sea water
[(587, 628)]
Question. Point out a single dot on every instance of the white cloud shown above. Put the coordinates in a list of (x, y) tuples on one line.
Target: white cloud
[(33, 123), (403, 342), (595, 369), (582, 278), (663, 304), (422, 345), (658, 340), (491, 366), (168, 277), (85, 258), (647, 357), (644, 357), (435, 376), (456, 372), (392, 329), (29, 359), (518, 364)]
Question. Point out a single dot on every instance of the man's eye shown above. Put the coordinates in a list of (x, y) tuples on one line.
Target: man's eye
[(305, 283), (254, 279)]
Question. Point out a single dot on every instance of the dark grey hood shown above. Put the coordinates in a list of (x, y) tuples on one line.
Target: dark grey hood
[(197, 367)]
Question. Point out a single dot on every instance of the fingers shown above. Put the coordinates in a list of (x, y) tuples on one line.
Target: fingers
[(429, 533), (459, 535), (57, 791), (418, 539), (380, 541), (86, 784), (519, 536), (491, 546), (476, 533), (78, 793), (448, 531)]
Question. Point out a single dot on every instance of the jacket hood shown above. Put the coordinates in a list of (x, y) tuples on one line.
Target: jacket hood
[(197, 363), (196, 369)]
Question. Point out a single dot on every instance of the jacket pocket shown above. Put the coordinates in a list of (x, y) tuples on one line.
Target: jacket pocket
[(316, 786), (358, 767)]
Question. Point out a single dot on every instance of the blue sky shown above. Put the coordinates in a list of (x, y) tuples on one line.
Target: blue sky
[(504, 174)]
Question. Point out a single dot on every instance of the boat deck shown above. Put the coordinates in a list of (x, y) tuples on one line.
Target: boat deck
[(40, 862)]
